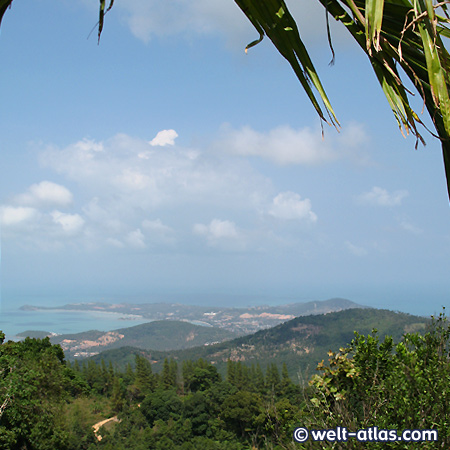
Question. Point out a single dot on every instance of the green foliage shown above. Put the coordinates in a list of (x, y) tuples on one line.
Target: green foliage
[(402, 386), (80, 417), (197, 409), (240, 412), (169, 374), (161, 405), (273, 382), (371, 382), (144, 380), (118, 395), (199, 376), (279, 420), (34, 382)]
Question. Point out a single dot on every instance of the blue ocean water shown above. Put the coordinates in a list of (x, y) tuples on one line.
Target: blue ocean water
[(15, 321)]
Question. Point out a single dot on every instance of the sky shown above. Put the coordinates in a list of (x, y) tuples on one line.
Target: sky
[(167, 164)]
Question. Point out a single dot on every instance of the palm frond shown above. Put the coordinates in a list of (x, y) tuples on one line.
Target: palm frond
[(4, 5), (273, 19), (393, 33)]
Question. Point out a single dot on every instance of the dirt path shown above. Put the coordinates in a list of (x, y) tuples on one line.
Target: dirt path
[(98, 425)]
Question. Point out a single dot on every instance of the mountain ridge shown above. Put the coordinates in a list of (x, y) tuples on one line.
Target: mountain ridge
[(300, 343)]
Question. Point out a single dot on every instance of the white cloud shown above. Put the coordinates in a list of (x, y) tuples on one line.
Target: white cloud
[(152, 202), (164, 137), (11, 216), (158, 233), (125, 184), (356, 250), (150, 18), (217, 229), (132, 179), (284, 145), (290, 206), (410, 228), (104, 218), (136, 239), (147, 19), (115, 243), (156, 226), (44, 194), (221, 234), (152, 234), (381, 197), (78, 161), (70, 223)]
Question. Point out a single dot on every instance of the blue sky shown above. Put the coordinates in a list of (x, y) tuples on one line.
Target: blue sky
[(167, 163)]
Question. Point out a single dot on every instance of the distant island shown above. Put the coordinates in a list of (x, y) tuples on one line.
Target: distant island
[(36, 334)]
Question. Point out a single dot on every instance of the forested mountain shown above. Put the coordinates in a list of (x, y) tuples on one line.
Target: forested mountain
[(158, 335), (299, 343)]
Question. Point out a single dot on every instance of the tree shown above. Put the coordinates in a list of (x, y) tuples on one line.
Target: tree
[(258, 381), (34, 383), (199, 375), (197, 409), (117, 395), (240, 412), (403, 386), (144, 380), (169, 374), (273, 382), (161, 405)]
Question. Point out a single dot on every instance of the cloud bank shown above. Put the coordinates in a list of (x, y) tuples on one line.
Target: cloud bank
[(148, 19), (150, 195), (284, 145)]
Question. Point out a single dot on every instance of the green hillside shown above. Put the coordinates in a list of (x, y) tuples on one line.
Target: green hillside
[(300, 343), (159, 335), (171, 334), (37, 334)]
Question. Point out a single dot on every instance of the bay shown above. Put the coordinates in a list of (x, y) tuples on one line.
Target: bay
[(15, 321)]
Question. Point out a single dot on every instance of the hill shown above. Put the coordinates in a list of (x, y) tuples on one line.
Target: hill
[(300, 343), (159, 335), (36, 334)]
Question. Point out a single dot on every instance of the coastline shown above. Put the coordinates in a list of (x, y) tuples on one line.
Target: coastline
[(126, 316), (65, 321)]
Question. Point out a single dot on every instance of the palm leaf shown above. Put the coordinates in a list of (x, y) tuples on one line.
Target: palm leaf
[(404, 33), (273, 19), (374, 19), (4, 5)]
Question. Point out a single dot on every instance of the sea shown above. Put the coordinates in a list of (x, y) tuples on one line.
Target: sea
[(14, 321)]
